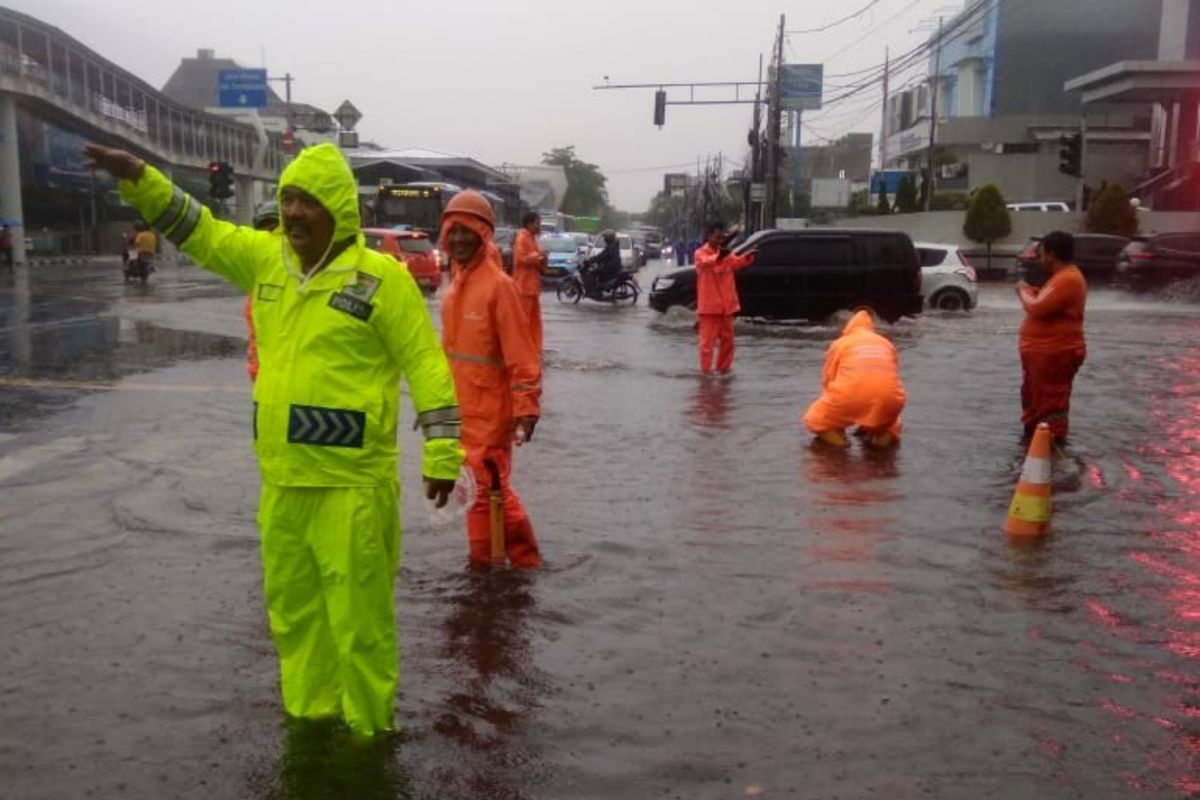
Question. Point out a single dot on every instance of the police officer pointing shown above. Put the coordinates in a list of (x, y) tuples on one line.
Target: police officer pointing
[(338, 326)]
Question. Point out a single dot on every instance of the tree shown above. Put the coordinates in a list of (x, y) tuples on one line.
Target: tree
[(884, 208), (1111, 212), (906, 196), (987, 218), (587, 194)]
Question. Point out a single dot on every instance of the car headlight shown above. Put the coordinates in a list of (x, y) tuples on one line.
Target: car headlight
[(664, 283)]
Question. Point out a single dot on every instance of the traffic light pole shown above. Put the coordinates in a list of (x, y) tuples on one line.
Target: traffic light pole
[(774, 113), (1081, 183)]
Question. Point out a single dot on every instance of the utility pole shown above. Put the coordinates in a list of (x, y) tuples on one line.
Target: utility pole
[(754, 208), (883, 136), (933, 117), (773, 126)]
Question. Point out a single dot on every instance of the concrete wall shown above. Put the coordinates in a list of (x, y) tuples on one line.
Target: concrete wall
[(1027, 177)]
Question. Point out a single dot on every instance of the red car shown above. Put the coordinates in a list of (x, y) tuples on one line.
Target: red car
[(413, 248)]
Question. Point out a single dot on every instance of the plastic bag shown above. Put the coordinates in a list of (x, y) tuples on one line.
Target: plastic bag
[(460, 500)]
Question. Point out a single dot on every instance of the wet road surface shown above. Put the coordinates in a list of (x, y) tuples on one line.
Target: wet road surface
[(726, 612)]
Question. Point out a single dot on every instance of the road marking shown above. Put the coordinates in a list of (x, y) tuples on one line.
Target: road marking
[(39, 383)]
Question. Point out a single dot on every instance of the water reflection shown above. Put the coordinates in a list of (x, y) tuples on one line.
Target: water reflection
[(323, 761), (495, 684), (855, 494), (709, 405)]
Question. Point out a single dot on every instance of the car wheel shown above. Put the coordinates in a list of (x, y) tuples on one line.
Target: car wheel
[(950, 300)]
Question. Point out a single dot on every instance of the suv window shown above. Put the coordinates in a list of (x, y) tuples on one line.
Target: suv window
[(931, 257), (891, 251), (823, 251)]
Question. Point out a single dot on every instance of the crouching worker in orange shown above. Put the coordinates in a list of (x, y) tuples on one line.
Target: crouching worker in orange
[(497, 371), (860, 386)]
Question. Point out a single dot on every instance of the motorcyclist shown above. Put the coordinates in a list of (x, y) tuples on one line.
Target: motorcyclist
[(604, 267)]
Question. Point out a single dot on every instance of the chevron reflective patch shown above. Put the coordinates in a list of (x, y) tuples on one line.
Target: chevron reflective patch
[(328, 427)]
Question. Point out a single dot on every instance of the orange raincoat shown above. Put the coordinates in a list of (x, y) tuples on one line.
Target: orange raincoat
[(860, 384), (1052, 349), (527, 275), (498, 377), (716, 303)]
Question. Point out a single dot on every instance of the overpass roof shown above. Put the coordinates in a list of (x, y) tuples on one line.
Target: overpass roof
[(1138, 82)]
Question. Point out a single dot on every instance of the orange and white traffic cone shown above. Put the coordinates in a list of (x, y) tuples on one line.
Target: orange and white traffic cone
[(1029, 514)]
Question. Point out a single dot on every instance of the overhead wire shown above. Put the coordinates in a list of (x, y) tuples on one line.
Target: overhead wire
[(835, 23)]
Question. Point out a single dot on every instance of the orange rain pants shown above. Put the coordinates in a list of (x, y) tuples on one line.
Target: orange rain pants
[(498, 377), (714, 328), (860, 384)]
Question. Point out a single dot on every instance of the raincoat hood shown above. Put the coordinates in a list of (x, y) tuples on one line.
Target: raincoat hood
[(322, 172), (861, 321), (476, 226)]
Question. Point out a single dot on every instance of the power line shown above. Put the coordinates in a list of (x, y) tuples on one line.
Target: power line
[(834, 24)]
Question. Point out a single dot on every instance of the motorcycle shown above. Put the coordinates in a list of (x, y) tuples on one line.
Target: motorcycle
[(621, 290), (138, 267)]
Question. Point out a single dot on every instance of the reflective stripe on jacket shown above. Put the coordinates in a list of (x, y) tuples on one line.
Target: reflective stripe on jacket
[(332, 347)]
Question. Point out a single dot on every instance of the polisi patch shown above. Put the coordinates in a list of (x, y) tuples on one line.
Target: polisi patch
[(363, 287), (351, 305)]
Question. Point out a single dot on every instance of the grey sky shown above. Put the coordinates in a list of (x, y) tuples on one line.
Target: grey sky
[(505, 81)]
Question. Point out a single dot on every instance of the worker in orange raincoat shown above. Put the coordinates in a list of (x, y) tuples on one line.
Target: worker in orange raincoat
[(497, 371), (1052, 344), (528, 263), (860, 385), (717, 298)]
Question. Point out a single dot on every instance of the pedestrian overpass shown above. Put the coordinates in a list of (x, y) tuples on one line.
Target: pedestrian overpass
[(47, 74)]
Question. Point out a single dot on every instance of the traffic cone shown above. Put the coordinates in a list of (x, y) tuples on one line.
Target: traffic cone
[(1029, 514)]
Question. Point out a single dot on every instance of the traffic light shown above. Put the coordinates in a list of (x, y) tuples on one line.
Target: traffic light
[(660, 108), (1070, 155), (220, 180)]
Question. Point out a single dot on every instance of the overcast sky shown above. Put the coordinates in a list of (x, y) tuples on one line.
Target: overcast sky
[(506, 81)]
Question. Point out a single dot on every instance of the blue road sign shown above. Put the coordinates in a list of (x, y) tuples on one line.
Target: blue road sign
[(800, 86), (242, 88)]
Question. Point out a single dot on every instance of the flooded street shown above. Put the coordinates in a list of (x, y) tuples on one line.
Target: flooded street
[(726, 612)]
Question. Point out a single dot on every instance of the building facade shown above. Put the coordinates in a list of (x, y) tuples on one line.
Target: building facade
[(999, 69)]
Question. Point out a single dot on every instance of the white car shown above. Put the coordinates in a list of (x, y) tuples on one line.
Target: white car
[(1048, 205), (628, 259), (948, 280)]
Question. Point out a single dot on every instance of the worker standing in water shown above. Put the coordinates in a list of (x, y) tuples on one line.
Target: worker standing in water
[(860, 385), (497, 372), (338, 326), (528, 264), (1052, 344), (717, 297)]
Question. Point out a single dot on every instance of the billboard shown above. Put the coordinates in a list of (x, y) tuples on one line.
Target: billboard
[(801, 85)]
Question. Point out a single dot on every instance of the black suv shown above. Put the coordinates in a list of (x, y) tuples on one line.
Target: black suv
[(811, 273)]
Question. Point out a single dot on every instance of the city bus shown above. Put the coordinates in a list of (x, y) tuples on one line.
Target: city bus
[(416, 206), (419, 205)]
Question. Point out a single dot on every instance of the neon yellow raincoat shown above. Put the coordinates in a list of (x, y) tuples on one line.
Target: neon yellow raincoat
[(332, 348)]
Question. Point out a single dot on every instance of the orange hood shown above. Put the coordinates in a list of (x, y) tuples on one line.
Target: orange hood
[(476, 226), (861, 321)]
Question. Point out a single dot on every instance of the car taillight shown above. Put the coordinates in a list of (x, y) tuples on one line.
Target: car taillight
[(1141, 255)]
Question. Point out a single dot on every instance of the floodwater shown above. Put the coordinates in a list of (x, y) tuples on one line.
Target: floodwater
[(725, 612)]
